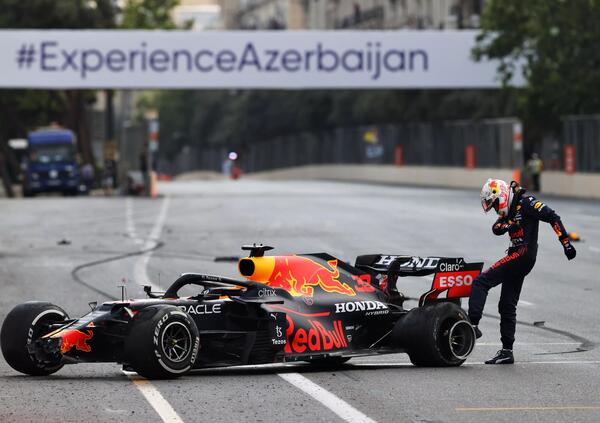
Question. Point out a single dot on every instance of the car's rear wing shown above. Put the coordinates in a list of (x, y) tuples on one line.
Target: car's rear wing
[(453, 277), (408, 265)]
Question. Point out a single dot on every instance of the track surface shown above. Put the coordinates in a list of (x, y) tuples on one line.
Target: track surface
[(552, 380)]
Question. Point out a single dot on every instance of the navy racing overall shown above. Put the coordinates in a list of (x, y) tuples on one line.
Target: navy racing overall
[(522, 225)]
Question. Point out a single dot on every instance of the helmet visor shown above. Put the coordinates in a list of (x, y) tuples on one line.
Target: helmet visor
[(488, 204)]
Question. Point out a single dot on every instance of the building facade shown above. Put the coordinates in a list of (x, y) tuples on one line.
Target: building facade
[(393, 14), (264, 14), (198, 14), (352, 14)]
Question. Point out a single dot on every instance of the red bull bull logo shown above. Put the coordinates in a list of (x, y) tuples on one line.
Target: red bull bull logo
[(300, 275), (74, 338)]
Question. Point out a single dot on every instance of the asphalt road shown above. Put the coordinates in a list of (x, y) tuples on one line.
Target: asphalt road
[(556, 378)]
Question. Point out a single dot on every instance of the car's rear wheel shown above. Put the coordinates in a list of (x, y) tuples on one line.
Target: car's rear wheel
[(23, 325), (436, 335), (163, 343)]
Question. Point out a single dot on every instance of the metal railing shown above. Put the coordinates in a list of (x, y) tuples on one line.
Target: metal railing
[(432, 144), (583, 133)]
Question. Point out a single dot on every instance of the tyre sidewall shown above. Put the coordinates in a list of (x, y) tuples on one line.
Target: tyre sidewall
[(421, 333), (24, 325), (447, 312), (143, 347)]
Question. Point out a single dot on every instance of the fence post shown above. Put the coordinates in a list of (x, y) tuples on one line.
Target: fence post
[(398, 156), (518, 150), (470, 156), (569, 158)]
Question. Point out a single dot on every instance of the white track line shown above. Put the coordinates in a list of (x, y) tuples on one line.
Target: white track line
[(155, 398), (129, 223), (149, 391), (140, 269), (526, 303), (519, 363), (497, 344), (340, 407), (533, 408)]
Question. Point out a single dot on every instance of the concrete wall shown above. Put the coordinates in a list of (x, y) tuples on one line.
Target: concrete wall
[(412, 175), (579, 185), (200, 175)]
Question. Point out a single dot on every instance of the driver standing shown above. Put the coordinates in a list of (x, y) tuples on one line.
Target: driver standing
[(519, 215)]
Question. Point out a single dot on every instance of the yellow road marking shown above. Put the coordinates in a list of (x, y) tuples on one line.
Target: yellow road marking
[(568, 407)]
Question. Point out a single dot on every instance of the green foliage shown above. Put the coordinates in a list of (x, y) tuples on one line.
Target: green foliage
[(557, 41), (71, 14), (22, 110), (238, 118), (148, 14)]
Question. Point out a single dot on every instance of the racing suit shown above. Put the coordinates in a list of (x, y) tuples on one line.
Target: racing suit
[(522, 224)]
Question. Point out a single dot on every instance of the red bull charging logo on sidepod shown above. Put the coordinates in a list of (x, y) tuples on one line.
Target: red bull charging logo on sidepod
[(299, 275)]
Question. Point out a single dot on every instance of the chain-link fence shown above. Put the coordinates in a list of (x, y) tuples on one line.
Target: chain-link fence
[(488, 143), (483, 144), (493, 143), (190, 159), (583, 134), (133, 139)]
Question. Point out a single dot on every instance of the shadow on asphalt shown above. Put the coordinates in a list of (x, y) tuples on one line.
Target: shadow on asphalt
[(268, 369), (296, 368)]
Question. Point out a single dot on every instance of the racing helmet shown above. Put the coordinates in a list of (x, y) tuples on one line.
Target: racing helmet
[(495, 194)]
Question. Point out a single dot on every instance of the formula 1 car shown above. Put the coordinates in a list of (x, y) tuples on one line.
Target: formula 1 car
[(309, 307)]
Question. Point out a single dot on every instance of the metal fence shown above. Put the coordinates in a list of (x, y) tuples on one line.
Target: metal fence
[(491, 143), (583, 133), (133, 138)]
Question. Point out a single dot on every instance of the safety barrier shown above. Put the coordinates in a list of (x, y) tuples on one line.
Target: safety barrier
[(580, 185), (471, 144)]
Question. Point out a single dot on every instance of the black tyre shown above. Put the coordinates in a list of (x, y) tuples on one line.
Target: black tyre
[(329, 362), (163, 343), (436, 335), (23, 325)]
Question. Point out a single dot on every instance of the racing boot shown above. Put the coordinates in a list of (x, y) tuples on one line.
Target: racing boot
[(478, 333), (502, 357)]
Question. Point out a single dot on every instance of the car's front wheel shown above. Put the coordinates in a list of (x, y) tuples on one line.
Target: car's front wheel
[(23, 325), (163, 343)]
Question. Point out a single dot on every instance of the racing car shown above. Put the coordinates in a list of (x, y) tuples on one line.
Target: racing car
[(308, 307)]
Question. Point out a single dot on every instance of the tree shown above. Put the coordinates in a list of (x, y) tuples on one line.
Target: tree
[(148, 14), (236, 119), (556, 43), (22, 110), (48, 14)]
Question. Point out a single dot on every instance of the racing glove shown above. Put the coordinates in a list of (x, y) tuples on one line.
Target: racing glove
[(570, 251), (563, 237), (502, 226)]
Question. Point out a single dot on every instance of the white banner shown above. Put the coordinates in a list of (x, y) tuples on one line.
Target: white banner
[(242, 59)]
